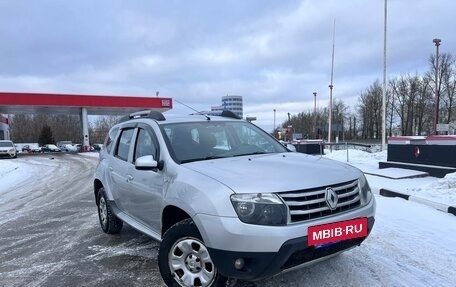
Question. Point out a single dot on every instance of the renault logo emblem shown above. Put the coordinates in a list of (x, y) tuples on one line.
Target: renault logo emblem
[(331, 198)]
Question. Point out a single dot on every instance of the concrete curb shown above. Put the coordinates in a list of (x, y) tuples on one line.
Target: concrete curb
[(439, 206)]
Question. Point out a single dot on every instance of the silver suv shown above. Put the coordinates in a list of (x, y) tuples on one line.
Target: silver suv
[(225, 199)]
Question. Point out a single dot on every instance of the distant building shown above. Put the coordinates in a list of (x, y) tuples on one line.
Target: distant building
[(230, 103), (4, 128)]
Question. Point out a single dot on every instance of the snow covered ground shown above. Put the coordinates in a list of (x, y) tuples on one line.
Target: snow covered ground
[(410, 245)]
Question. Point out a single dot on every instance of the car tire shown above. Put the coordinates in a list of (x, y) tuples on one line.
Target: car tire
[(108, 220), (174, 262)]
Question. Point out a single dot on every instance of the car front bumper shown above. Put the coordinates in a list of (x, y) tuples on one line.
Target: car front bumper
[(7, 153), (293, 254), (268, 250)]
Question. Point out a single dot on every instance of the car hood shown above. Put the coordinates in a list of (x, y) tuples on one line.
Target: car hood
[(275, 172)]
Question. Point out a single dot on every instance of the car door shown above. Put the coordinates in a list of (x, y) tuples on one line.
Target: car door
[(146, 186), (119, 166)]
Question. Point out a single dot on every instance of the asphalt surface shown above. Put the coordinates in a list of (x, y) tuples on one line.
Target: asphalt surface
[(51, 236)]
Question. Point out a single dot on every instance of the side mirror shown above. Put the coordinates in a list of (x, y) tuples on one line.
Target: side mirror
[(290, 147), (146, 162)]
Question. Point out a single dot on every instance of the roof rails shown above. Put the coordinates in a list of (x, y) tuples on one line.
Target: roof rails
[(155, 115), (230, 114)]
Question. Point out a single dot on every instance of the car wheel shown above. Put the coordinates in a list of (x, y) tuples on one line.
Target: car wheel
[(184, 260), (108, 220)]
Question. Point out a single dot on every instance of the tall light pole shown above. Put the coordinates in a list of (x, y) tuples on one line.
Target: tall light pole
[(436, 108), (384, 84), (274, 128), (331, 84), (315, 116)]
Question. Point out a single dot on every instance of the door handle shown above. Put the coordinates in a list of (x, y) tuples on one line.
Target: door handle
[(129, 178)]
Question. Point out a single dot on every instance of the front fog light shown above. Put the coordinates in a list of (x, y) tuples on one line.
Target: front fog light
[(258, 208), (239, 263)]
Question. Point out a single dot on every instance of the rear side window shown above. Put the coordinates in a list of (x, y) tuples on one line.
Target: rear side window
[(123, 147), (110, 138)]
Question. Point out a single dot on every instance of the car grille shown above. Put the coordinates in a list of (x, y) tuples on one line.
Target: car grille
[(311, 203)]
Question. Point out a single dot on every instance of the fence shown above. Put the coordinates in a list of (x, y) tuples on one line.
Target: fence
[(342, 145)]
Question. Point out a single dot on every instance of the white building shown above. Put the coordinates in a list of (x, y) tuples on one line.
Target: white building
[(230, 103), (4, 128)]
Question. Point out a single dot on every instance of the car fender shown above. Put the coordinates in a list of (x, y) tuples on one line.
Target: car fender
[(204, 195)]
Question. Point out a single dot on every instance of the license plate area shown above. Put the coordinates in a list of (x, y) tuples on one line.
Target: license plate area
[(326, 234)]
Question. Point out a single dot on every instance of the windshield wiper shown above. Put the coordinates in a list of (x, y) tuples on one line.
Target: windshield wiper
[(201, 158), (251, 153)]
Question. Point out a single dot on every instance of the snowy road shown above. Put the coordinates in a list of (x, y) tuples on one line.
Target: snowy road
[(50, 237)]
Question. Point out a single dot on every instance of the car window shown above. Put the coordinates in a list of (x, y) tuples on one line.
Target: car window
[(145, 145), (123, 146), (248, 135), (195, 141), (110, 138), (6, 144)]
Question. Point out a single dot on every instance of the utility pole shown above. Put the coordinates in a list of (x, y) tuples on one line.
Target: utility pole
[(315, 116), (383, 147), (331, 84), (274, 128), (436, 108), (289, 128)]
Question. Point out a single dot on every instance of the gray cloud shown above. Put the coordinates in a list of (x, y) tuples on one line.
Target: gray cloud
[(274, 53)]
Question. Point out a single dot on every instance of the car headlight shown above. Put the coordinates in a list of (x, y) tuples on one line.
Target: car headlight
[(364, 190), (260, 208)]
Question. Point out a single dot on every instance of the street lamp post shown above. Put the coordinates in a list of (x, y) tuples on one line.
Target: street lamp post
[(330, 111), (436, 108), (384, 82), (315, 116), (331, 86), (289, 127), (274, 128)]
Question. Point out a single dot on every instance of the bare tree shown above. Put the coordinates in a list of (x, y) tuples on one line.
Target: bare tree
[(369, 110), (445, 92), (448, 71), (100, 128)]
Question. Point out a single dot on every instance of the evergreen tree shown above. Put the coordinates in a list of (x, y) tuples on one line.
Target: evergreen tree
[(46, 136)]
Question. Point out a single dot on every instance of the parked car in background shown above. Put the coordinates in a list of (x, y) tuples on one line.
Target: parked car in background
[(97, 147), (78, 147), (7, 149), (62, 145), (31, 149), (71, 148), (35, 149), (68, 148), (50, 148), (26, 148)]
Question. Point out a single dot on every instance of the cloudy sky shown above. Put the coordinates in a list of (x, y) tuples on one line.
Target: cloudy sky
[(273, 53)]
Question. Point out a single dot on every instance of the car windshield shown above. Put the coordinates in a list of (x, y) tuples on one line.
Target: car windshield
[(6, 144), (194, 141)]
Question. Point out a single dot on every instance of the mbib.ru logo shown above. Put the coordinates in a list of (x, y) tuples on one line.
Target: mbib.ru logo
[(337, 231)]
